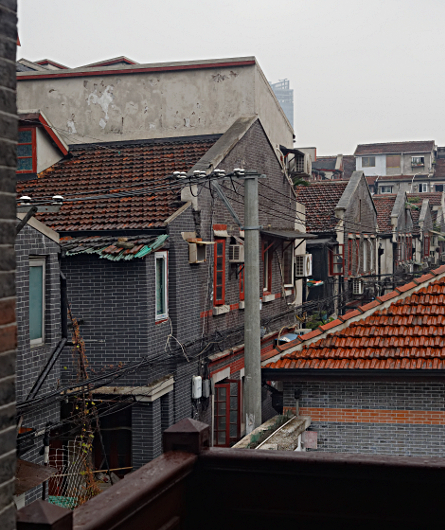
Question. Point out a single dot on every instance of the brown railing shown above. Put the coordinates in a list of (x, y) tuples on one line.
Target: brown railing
[(241, 489)]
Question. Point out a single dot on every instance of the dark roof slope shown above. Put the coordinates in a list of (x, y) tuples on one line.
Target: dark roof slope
[(326, 163), (434, 198), (348, 166), (320, 200), (136, 175), (440, 168), (395, 147), (384, 204), (407, 334)]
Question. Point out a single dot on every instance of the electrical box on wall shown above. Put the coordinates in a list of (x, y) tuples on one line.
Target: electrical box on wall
[(196, 387), (206, 388)]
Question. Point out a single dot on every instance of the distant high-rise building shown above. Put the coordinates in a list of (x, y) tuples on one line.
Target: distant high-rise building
[(285, 96)]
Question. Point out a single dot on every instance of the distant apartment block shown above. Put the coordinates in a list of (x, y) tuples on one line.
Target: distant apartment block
[(285, 96)]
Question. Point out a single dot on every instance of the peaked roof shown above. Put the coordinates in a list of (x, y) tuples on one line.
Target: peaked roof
[(326, 163), (404, 329), (394, 147), (321, 199), (129, 183), (384, 204)]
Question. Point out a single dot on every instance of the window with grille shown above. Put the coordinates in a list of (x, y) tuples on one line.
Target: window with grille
[(288, 264), (26, 151), (335, 256), (417, 161)]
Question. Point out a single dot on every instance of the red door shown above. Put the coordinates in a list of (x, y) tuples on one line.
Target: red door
[(227, 429)]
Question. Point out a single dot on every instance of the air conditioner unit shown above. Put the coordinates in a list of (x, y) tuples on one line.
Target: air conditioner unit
[(410, 268), (236, 253), (303, 266), (357, 286)]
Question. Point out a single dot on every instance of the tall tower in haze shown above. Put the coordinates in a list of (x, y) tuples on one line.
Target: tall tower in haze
[(285, 96)]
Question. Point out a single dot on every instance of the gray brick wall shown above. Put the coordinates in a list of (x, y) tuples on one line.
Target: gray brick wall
[(374, 438), (8, 327), (31, 360)]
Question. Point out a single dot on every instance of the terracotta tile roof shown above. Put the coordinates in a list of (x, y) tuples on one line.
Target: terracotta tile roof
[(112, 169), (320, 200), (384, 204), (407, 334), (348, 166), (395, 147), (435, 198)]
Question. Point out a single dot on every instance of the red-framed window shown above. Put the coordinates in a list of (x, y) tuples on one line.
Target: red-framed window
[(219, 273), (227, 426), (267, 266), (335, 257), (409, 249), (241, 283), (26, 150)]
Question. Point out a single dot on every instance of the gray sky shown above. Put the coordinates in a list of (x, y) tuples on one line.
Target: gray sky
[(362, 71)]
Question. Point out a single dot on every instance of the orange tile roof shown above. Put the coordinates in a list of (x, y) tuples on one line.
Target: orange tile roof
[(407, 333), (116, 169), (384, 205)]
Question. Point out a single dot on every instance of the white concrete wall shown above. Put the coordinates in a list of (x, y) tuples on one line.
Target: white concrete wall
[(47, 154), (379, 169), (150, 104)]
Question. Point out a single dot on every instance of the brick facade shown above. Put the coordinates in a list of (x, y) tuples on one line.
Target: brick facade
[(8, 327), (385, 418), (31, 359)]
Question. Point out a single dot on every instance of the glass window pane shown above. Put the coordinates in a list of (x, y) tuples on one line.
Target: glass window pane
[(219, 249), (219, 293), (234, 403), (221, 438), (233, 430), (234, 416), (219, 277), (24, 164), (219, 264), (25, 137), (24, 150), (35, 302), (160, 286), (222, 422), (221, 393), (221, 409)]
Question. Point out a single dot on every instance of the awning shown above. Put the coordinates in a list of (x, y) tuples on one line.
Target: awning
[(321, 242), (29, 475), (287, 235)]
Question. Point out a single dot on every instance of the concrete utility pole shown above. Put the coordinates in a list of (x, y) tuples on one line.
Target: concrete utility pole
[(252, 338)]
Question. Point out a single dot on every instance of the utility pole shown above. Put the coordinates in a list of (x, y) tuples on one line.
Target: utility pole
[(252, 338)]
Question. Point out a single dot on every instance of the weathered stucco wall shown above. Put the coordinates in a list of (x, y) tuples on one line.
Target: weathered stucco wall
[(47, 154), (154, 104)]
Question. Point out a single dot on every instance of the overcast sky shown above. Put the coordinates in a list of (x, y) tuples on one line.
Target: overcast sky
[(362, 71)]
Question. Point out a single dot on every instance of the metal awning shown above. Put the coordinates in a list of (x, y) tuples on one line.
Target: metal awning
[(287, 235), (29, 475)]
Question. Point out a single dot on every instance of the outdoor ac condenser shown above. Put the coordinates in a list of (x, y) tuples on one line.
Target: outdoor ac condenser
[(357, 286), (236, 253), (303, 266)]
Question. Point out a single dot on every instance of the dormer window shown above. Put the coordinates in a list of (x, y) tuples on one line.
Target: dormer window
[(26, 151), (417, 161)]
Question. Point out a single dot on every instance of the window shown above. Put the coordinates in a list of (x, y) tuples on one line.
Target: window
[(417, 161), (37, 300), (241, 283), (368, 161), (267, 267), (26, 151), (227, 430), (336, 260), (423, 188), (393, 161), (365, 256), (161, 285), (288, 264), (385, 189), (438, 187), (219, 273)]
